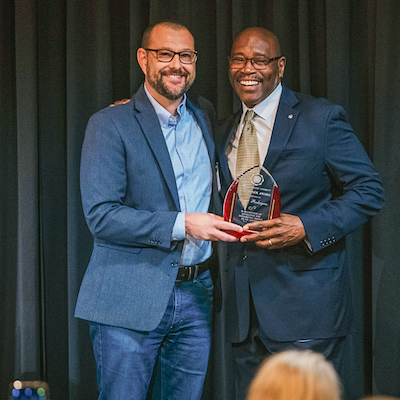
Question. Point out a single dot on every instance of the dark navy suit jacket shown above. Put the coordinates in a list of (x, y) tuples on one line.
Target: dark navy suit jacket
[(130, 201), (326, 178)]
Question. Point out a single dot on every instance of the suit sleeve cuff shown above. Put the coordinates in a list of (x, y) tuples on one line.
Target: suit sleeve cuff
[(178, 231)]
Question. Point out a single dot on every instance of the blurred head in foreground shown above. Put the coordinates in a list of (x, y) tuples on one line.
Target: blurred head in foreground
[(379, 397), (295, 375)]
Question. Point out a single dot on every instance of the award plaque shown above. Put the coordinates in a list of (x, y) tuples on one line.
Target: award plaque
[(253, 196)]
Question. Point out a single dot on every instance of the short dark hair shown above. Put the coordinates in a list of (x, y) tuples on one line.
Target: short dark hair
[(177, 26)]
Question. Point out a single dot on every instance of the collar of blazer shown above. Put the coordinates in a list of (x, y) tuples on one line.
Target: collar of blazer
[(148, 120), (203, 120), (285, 120)]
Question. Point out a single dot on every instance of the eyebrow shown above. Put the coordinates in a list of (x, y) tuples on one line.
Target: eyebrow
[(168, 48), (239, 53)]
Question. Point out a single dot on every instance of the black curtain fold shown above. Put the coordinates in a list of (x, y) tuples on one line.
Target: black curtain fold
[(61, 61), (386, 257), (9, 190)]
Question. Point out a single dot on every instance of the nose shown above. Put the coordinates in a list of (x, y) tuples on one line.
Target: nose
[(175, 62), (248, 66)]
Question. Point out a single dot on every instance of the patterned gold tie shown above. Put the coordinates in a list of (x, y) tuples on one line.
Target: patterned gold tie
[(247, 157)]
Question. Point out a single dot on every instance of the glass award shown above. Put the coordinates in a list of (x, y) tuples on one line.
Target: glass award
[(252, 196)]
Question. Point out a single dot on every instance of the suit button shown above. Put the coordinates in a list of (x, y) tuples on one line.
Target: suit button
[(174, 264), (244, 258)]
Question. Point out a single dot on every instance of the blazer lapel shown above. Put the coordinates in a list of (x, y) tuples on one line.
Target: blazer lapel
[(205, 126), (150, 125), (227, 131), (204, 123), (285, 120)]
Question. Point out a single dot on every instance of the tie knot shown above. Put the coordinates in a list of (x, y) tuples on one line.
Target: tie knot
[(250, 114)]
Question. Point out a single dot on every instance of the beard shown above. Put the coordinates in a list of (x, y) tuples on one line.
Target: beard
[(170, 92)]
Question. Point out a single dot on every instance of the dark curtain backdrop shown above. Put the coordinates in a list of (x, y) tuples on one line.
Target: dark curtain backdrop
[(61, 61)]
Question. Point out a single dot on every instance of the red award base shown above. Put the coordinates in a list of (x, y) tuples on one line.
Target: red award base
[(240, 234)]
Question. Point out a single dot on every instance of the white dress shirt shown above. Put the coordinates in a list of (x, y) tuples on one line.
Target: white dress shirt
[(263, 122)]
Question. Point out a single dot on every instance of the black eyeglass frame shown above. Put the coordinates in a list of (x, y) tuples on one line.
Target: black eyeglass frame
[(270, 60), (194, 53)]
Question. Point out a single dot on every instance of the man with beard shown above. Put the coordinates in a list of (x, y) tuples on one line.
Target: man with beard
[(146, 180), (288, 281)]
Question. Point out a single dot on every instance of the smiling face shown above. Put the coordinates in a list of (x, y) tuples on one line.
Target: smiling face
[(252, 85), (167, 82)]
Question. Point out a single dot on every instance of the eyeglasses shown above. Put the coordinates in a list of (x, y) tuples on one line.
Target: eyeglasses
[(185, 57), (256, 62)]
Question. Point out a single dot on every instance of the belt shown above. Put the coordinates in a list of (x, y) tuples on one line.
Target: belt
[(187, 273)]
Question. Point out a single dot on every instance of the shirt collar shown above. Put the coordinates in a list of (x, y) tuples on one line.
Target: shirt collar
[(266, 107), (164, 116)]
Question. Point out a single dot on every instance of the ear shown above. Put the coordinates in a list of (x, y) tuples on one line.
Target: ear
[(281, 66), (142, 58)]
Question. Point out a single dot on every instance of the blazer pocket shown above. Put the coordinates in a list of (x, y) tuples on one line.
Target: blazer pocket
[(127, 249), (330, 258)]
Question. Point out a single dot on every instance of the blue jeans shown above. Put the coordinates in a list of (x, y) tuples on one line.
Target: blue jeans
[(180, 346)]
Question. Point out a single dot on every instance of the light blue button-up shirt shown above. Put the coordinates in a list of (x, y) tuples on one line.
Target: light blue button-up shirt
[(192, 169)]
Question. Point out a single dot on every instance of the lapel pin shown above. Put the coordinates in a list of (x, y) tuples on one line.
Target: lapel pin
[(290, 116)]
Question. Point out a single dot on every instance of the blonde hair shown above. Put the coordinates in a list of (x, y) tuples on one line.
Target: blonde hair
[(380, 397), (295, 375)]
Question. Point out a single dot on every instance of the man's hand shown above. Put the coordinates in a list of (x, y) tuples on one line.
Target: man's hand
[(209, 226), (118, 102), (286, 230)]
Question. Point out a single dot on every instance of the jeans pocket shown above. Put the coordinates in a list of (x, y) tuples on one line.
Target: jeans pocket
[(205, 281)]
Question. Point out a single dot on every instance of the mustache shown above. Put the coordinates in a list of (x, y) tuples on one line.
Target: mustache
[(248, 76), (174, 71)]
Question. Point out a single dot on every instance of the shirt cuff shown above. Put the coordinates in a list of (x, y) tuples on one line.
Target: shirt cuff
[(178, 231), (308, 243)]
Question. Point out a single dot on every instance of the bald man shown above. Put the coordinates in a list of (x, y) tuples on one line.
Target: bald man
[(288, 283)]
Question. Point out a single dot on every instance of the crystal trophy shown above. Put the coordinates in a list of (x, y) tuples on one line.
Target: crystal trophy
[(252, 196)]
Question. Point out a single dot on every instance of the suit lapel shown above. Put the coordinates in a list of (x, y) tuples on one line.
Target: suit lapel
[(205, 126), (285, 120), (150, 125), (228, 130), (149, 122)]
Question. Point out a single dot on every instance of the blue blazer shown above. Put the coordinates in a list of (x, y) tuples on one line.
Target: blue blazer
[(326, 178), (130, 201)]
